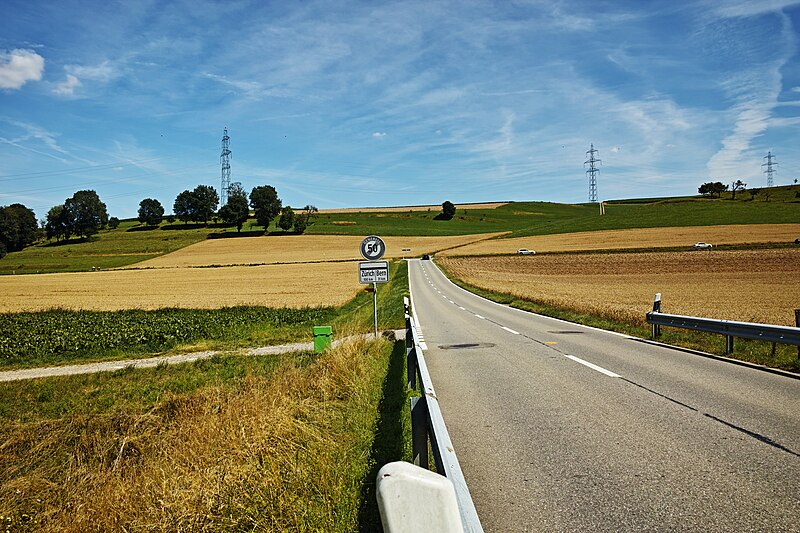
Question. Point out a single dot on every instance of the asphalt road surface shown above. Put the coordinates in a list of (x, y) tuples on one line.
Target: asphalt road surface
[(561, 427)]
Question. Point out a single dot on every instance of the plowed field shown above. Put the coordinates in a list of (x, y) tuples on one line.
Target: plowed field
[(747, 285), (636, 238)]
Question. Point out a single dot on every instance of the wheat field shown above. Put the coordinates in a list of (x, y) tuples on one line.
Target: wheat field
[(297, 285), (636, 238), (298, 249), (746, 285)]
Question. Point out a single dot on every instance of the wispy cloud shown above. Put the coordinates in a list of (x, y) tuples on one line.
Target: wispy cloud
[(68, 86), (18, 67)]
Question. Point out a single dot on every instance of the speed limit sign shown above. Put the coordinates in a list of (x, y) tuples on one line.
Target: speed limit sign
[(373, 248)]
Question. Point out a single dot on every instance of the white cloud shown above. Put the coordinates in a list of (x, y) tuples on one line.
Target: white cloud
[(68, 86), (379, 134), (19, 67), (102, 72)]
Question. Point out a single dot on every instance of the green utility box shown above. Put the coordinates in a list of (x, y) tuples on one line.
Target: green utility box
[(322, 338)]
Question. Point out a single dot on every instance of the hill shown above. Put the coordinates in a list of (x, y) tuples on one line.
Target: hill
[(131, 243)]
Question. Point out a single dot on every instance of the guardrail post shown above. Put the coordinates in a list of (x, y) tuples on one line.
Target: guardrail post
[(797, 323), (419, 431), (411, 367), (728, 344), (656, 309)]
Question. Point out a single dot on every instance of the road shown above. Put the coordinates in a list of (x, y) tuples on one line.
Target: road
[(561, 427)]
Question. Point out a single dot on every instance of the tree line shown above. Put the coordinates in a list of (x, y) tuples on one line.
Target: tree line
[(84, 214)]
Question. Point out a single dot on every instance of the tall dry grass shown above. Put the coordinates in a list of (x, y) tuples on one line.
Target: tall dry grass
[(286, 452)]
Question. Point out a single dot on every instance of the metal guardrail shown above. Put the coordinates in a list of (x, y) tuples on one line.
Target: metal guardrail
[(427, 426), (728, 328)]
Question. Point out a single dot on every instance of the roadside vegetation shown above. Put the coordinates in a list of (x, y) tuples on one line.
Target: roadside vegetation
[(268, 443), (231, 443)]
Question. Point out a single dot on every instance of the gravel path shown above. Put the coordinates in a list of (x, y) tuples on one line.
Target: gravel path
[(110, 366)]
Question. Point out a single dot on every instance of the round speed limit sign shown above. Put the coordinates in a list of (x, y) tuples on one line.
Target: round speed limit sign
[(373, 248)]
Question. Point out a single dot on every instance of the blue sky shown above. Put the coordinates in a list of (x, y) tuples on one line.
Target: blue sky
[(352, 104)]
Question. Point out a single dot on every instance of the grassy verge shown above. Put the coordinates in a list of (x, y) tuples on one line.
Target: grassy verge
[(288, 442), (786, 357)]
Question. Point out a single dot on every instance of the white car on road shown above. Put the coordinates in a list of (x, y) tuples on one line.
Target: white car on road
[(702, 245), (525, 251)]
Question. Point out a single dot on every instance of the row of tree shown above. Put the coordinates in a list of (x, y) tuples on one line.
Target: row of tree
[(200, 205)]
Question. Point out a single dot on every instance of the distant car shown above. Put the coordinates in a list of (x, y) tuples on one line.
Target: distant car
[(525, 251), (797, 241), (702, 245), (426, 257)]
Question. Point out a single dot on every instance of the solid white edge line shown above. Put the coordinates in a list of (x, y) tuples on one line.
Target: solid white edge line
[(422, 344), (510, 330), (593, 366)]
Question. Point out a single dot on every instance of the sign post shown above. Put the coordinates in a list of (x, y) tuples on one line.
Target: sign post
[(372, 270)]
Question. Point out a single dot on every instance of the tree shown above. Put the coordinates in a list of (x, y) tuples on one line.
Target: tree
[(184, 206), (712, 188), (300, 224), (88, 213), (113, 222), (206, 201), (448, 209), (737, 185), (754, 193), (236, 211), (266, 204), (17, 227), (309, 212), (286, 221), (151, 212), (59, 223)]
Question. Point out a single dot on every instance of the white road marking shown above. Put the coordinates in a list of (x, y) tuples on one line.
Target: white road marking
[(479, 316), (510, 330), (593, 366), (461, 308)]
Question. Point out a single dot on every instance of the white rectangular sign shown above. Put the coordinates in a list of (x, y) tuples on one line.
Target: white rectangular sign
[(373, 271)]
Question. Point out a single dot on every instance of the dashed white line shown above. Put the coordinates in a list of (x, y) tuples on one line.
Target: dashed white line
[(461, 308), (479, 316), (593, 366), (510, 330)]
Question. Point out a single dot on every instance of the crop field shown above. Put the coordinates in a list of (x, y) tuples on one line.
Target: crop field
[(298, 249), (636, 238), (747, 285), (298, 285)]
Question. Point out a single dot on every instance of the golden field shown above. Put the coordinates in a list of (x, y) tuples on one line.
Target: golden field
[(746, 285), (298, 249), (636, 238), (297, 285)]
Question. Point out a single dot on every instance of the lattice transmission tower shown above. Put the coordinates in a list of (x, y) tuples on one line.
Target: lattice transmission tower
[(592, 172), (225, 159), (769, 171)]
